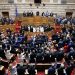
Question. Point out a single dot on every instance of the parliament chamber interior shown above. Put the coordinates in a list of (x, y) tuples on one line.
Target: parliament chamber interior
[(37, 37)]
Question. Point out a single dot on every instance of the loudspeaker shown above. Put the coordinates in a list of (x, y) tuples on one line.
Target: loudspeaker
[(37, 1)]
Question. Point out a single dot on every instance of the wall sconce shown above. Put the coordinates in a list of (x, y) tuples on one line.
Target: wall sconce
[(30, 4), (43, 4)]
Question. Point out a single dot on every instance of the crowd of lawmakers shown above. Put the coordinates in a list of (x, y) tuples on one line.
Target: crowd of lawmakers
[(8, 20), (57, 50), (60, 47), (30, 28)]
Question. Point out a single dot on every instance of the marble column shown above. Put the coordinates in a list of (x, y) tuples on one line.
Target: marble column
[(51, 1), (23, 1), (15, 1), (59, 1)]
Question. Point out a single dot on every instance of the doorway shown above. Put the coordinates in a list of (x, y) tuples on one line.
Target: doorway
[(69, 14), (5, 14)]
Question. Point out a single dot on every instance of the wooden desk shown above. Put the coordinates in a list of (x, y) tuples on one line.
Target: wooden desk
[(42, 66), (4, 27), (37, 20)]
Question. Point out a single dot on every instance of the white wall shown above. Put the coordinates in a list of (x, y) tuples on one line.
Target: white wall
[(56, 8), (32, 1)]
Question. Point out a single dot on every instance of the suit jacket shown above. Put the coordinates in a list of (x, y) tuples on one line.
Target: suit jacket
[(21, 70), (51, 71), (31, 70)]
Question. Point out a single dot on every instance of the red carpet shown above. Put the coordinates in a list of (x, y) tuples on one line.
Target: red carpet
[(40, 73), (73, 72)]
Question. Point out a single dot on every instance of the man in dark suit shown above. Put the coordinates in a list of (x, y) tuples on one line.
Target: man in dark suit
[(39, 57), (47, 57), (43, 14), (60, 71), (24, 14), (51, 71), (2, 54), (59, 54), (71, 55), (37, 13), (32, 57), (31, 70), (21, 70), (31, 28)]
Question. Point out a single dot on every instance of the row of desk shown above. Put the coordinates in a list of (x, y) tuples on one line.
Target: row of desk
[(37, 20)]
